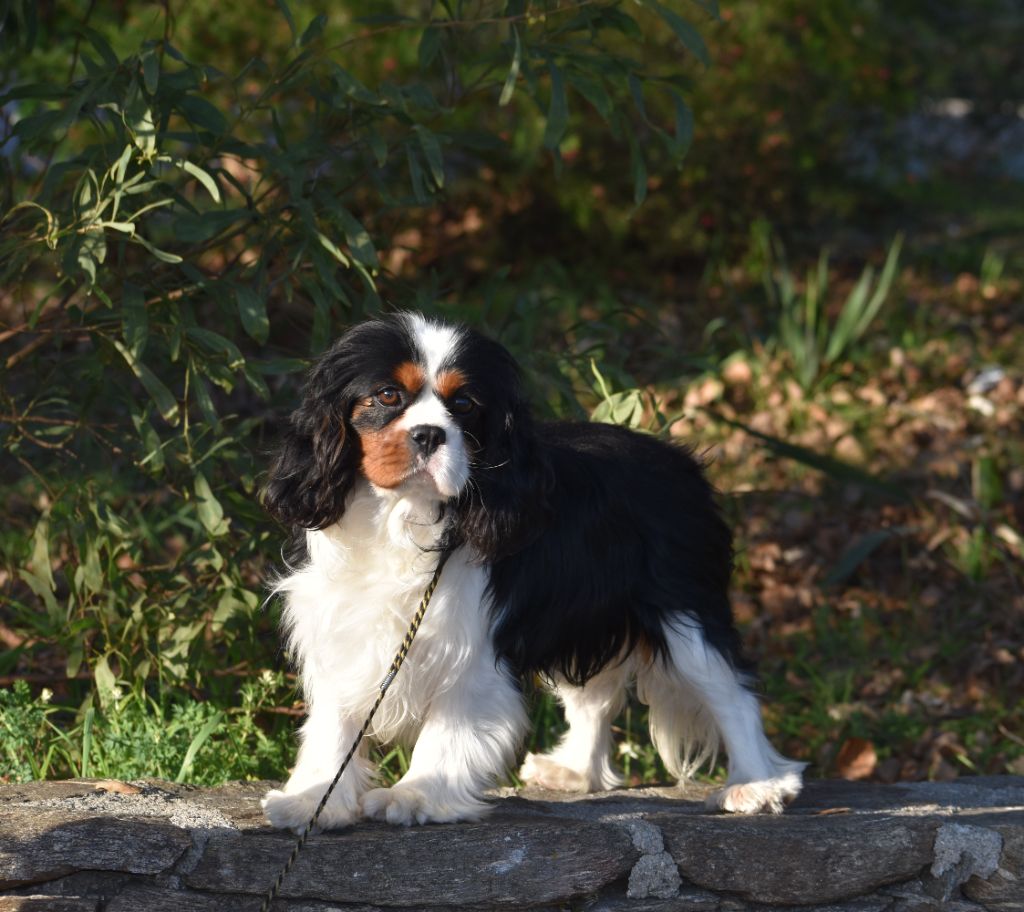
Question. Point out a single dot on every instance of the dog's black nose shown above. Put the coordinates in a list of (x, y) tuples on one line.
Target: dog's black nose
[(426, 438)]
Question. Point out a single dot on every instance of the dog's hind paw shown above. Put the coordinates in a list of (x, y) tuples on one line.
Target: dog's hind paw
[(769, 796)]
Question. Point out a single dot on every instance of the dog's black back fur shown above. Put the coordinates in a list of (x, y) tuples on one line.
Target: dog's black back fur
[(632, 543)]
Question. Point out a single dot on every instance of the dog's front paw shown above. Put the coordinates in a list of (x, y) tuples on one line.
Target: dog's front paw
[(293, 811), (404, 805), (546, 773), (769, 796)]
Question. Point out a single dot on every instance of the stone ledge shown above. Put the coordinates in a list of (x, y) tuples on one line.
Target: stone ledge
[(842, 847)]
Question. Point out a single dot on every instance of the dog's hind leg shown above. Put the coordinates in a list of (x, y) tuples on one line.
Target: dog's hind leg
[(699, 700), (581, 762)]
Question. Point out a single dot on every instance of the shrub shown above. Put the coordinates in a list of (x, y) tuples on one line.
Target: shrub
[(188, 224)]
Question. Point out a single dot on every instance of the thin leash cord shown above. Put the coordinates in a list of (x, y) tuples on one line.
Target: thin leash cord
[(403, 651)]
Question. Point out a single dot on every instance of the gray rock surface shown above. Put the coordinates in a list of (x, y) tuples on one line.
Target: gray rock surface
[(842, 847)]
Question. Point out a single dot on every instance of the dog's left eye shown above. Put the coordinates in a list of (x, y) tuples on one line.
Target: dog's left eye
[(461, 404), (389, 397)]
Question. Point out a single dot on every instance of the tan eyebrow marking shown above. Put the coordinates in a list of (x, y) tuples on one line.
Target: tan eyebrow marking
[(410, 376), (449, 382)]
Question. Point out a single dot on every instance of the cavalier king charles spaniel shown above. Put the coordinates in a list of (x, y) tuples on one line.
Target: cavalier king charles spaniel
[(587, 554)]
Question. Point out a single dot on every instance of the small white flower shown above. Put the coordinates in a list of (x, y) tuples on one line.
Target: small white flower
[(628, 749), (46, 695)]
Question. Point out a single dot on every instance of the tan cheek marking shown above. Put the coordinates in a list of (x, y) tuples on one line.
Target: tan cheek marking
[(386, 457), (410, 376), (449, 382)]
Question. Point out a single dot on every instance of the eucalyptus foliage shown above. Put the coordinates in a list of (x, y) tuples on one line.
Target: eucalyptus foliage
[(184, 228)]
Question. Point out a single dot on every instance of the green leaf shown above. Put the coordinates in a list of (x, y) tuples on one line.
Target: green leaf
[(282, 5), (430, 45), (165, 401), (91, 252), (558, 110), (357, 237), (87, 196), (416, 176), (118, 172), (314, 30), (200, 175), (45, 592), (161, 255), (200, 113), (217, 343), (153, 457), (40, 561), (151, 70), (138, 118), (686, 33), (621, 22), (513, 71), (625, 409), (201, 393), (432, 151), (353, 88), (100, 44), (986, 482), (134, 319), (252, 309), (106, 683), (332, 248), (211, 513), (593, 92), (683, 127)]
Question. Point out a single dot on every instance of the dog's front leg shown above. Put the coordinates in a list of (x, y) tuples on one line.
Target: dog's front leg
[(325, 739), (468, 740)]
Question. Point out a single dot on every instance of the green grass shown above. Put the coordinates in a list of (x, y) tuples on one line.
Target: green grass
[(135, 735)]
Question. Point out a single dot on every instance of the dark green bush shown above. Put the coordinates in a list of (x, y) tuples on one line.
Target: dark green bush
[(188, 221)]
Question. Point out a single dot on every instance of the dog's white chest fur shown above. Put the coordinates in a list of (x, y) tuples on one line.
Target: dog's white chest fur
[(349, 609)]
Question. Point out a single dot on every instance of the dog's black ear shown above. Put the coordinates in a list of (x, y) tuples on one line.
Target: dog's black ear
[(318, 461), (504, 507)]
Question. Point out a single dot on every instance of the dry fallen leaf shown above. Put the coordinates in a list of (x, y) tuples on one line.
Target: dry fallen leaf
[(857, 759), (117, 787)]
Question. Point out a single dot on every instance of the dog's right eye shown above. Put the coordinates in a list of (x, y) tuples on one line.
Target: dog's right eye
[(389, 397)]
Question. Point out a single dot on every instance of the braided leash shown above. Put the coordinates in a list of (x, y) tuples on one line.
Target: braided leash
[(403, 651)]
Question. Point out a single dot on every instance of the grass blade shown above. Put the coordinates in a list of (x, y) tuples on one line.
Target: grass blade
[(202, 736), (834, 468), (90, 715), (858, 552)]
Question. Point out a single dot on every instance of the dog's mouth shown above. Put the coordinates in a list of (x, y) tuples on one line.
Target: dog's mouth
[(438, 473)]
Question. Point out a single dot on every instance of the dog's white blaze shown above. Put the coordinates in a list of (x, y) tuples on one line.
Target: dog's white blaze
[(435, 342)]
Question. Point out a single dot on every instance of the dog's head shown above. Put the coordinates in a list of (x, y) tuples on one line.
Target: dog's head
[(420, 409)]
